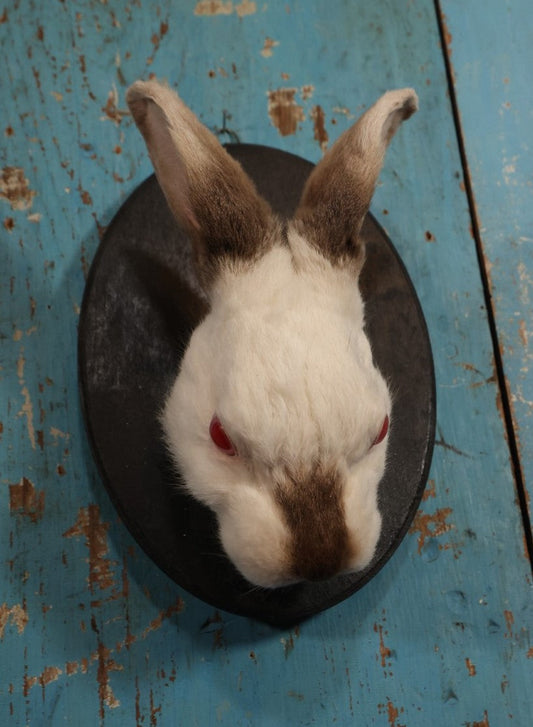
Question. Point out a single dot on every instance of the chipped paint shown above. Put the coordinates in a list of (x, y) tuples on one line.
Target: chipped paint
[(482, 723), (25, 500), (509, 622), (268, 46), (384, 652), (105, 665), (430, 490), (288, 643), (209, 8), (111, 110), (470, 667), (392, 713), (48, 675), (430, 526), (27, 407), (285, 114), (319, 126), (15, 188), (89, 525), (17, 615), (165, 614)]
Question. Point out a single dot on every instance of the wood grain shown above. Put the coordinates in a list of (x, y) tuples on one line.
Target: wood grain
[(90, 632)]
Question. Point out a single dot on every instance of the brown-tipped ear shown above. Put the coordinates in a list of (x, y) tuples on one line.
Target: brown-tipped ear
[(337, 194), (207, 191)]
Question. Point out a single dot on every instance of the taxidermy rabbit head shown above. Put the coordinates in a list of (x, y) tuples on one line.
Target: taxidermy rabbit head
[(278, 417)]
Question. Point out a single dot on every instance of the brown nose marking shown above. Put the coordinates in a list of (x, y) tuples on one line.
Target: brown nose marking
[(314, 513)]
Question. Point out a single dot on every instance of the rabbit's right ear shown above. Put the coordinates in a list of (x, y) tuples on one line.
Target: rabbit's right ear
[(207, 191), (337, 194)]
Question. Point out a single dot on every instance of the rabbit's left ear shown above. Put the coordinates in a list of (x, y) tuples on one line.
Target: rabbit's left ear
[(207, 190), (337, 194)]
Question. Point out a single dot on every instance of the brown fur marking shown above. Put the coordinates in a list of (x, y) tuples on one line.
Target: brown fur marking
[(313, 510)]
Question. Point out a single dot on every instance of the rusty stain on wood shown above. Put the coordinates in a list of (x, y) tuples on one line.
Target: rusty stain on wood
[(15, 188), (284, 112), (422, 524), (25, 500), (89, 525)]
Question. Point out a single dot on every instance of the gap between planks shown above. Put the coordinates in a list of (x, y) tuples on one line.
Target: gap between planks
[(487, 293)]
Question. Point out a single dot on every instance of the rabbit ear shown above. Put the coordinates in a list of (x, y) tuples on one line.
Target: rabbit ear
[(207, 190), (337, 194)]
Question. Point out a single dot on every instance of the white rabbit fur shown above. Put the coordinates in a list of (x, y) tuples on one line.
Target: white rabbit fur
[(284, 362)]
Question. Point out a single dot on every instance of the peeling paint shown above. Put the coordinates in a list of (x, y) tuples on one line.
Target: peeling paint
[(285, 114), (470, 667), (15, 188), (422, 525), (25, 500), (17, 615), (94, 530)]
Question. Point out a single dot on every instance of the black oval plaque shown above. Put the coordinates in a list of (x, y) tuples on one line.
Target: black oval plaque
[(140, 307)]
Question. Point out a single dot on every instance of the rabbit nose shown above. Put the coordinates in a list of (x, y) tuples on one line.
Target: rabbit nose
[(319, 543), (317, 572)]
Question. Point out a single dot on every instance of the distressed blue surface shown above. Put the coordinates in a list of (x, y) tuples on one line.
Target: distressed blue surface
[(490, 61), (90, 631)]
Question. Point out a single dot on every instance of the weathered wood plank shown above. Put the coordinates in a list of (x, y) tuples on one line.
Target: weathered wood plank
[(90, 632), (489, 55)]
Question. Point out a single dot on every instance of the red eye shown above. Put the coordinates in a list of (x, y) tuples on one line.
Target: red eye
[(220, 438), (383, 433)]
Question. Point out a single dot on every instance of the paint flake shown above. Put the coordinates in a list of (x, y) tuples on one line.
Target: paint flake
[(25, 500), (268, 46), (423, 523), (94, 530), (15, 188), (213, 7), (285, 114), (16, 614)]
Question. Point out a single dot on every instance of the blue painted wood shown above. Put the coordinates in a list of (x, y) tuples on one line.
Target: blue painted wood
[(489, 57), (90, 632)]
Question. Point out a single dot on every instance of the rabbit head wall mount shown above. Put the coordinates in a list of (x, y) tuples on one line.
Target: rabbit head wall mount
[(278, 418)]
